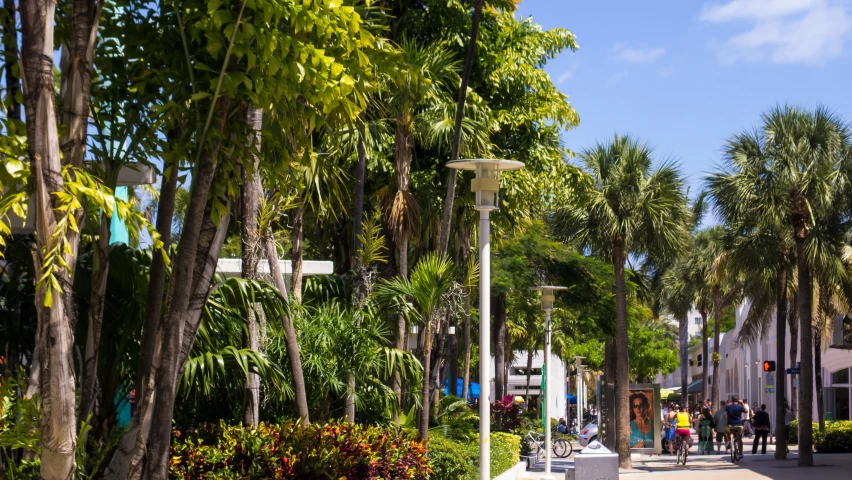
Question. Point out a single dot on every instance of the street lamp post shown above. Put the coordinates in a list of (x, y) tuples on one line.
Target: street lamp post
[(578, 360), (486, 185), (547, 298)]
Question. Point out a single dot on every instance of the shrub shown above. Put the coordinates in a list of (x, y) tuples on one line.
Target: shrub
[(452, 460), (837, 437), (505, 452), (293, 451)]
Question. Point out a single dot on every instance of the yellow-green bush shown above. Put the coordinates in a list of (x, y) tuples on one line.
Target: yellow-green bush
[(837, 437), (451, 460)]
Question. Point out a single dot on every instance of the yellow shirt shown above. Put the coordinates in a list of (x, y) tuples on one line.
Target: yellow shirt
[(682, 420)]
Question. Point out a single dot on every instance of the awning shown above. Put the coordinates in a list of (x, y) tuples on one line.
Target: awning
[(694, 387), (571, 399), (473, 392)]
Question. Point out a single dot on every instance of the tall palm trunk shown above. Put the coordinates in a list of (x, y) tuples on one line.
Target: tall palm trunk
[(293, 353), (705, 351), (250, 244), (622, 365), (360, 270), (818, 328), (608, 408), (426, 391), (780, 363), (793, 324), (467, 345), (529, 373), (10, 54), (296, 248), (447, 219), (498, 306), (806, 373), (717, 332), (403, 148), (55, 333)]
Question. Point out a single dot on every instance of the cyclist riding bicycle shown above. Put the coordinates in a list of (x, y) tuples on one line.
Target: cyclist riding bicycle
[(735, 422), (683, 433)]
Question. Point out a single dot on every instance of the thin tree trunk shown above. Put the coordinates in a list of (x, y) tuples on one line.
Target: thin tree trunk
[(780, 364), (453, 359), (427, 374), (717, 332), (806, 374), (447, 218), (76, 65), (55, 341), (358, 196), (622, 365), (529, 373), (705, 362), (818, 379), (609, 436), (100, 271), (793, 323), (499, 311), (177, 315), (467, 347), (290, 337), (157, 275), (296, 252), (10, 54), (250, 236)]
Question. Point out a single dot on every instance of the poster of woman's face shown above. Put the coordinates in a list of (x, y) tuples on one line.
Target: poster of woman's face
[(642, 419)]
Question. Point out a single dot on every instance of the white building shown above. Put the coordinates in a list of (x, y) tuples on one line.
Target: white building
[(693, 322), (516, 381), (741, 370)]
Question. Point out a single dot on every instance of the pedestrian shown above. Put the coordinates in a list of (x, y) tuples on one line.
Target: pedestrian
[(748, 431), (760, 423), (671, 426), (706, 424), (721, 419), (788, 417)]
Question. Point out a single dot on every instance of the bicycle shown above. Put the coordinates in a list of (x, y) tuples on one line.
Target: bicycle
[(561, 447), (682, 450), (735, 436)]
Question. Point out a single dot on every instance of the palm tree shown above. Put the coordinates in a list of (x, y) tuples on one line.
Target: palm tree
[(793, 172), (425, 298), (631, 207)]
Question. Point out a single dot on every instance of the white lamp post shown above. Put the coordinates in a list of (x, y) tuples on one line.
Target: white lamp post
[(547, 298), (486, 184), (578, 360)]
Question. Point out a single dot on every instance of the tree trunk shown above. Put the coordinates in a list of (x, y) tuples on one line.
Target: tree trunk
[(780, 363), (157, 275), (622, 365), (100, 271), (358, 196), (290, 336), (608, 408), (453, 359), (806, 375), (467, 345), (77, 61), (10, 54), (447, 218), (498, 307), (296, 252), (705, 362), (55, 334), (529, 373), (683, 338), (427, 374), (717, 332), (250, 236), (793, 324), (818, 378)]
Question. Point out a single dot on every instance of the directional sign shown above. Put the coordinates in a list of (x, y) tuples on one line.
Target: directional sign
[(770, 390), (792, 371)]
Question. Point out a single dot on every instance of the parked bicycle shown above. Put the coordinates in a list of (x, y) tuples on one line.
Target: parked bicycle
[(561, 447)]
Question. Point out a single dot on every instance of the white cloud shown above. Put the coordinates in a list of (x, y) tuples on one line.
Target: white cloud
[(637, 55), (616, 77), (562, 78), (782, 31)]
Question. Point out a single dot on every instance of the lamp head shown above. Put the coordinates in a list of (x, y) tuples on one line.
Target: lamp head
[(486, 183), (547, 296)]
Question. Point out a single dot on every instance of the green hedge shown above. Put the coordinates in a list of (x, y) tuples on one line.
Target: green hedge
[(294, 451), (837, 437), (451, 460)]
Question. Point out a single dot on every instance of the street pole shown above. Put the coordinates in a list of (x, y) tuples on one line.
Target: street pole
[(484, 345), (547, 376)]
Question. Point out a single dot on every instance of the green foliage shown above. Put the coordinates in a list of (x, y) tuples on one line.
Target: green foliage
[(505, 452), (19, 426), (837, 437), (455, 419), (452, 460), (295, 451)]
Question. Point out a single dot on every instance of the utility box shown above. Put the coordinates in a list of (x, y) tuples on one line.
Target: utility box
[(595, 462)]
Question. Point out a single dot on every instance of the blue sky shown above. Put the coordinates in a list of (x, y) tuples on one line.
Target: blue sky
[(686, 75)]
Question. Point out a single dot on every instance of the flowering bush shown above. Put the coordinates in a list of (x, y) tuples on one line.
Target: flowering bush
[(295, 451)]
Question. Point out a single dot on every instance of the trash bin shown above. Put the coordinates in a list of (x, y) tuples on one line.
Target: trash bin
[(595, 462)]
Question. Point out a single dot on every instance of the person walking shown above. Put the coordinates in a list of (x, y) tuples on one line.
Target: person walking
[(788, 417), (760, 423), (706, 424), (748, 431), (721, 420)]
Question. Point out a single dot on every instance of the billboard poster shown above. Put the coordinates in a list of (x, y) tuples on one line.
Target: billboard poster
[(645, 421)]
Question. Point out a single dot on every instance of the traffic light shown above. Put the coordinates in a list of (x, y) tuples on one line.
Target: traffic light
[(769, 366)]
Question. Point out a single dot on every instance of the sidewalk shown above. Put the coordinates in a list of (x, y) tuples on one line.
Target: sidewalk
[(751, 467)]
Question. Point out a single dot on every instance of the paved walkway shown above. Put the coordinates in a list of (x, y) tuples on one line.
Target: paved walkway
[(752, 467)]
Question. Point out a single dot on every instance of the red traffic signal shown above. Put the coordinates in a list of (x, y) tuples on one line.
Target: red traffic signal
[(769, 366)]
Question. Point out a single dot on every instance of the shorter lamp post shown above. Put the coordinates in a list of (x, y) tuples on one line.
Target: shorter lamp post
[(486, 185), (547, 298), (578, 360)]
